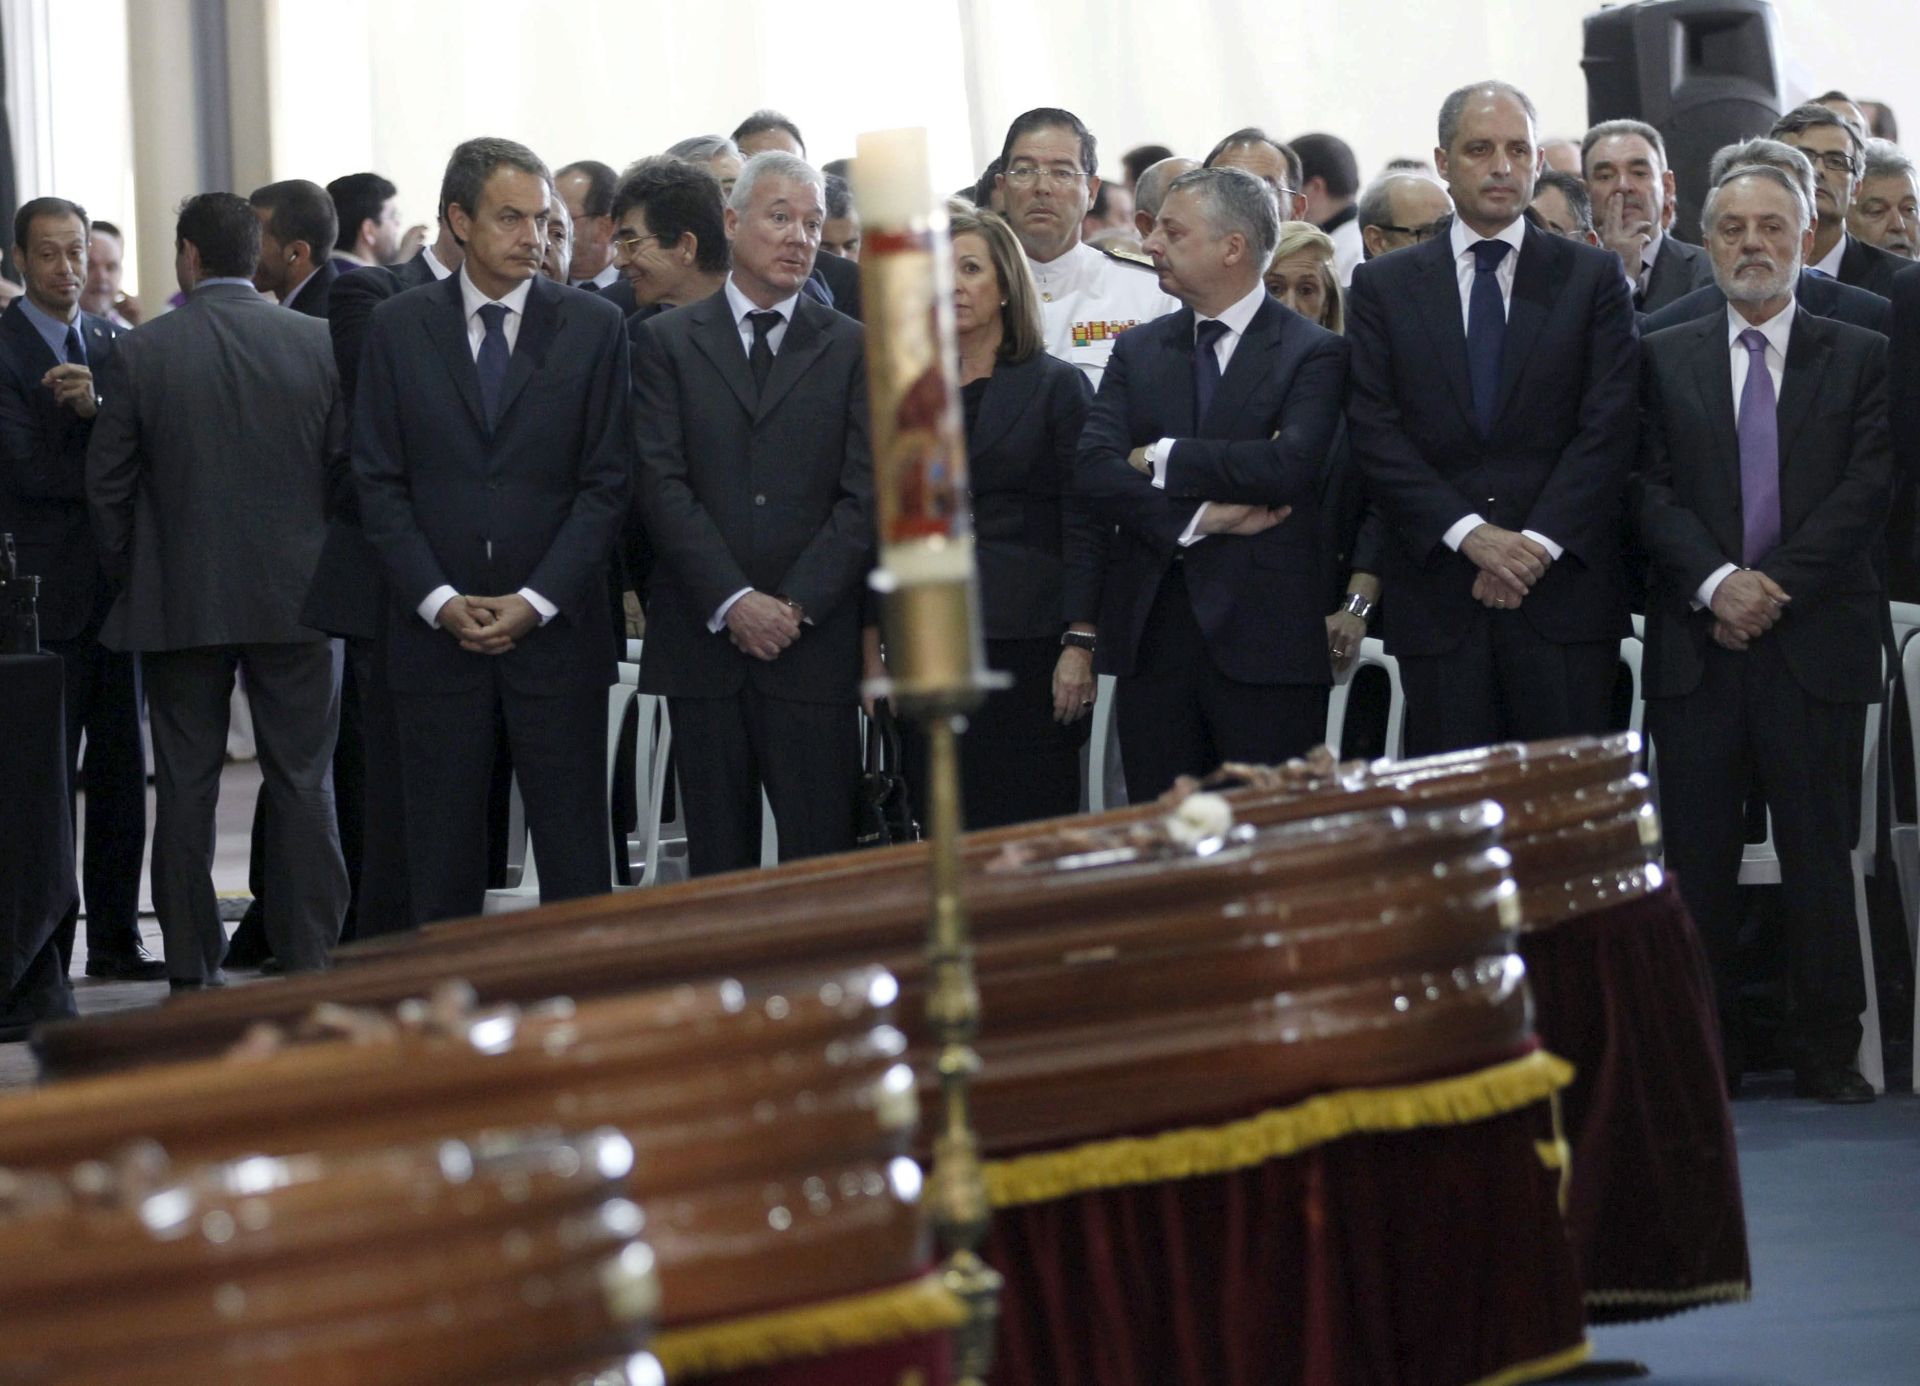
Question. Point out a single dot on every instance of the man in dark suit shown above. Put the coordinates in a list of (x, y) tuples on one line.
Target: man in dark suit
[(51, 352), (1903, 370), (1839, 157), (212, 508), (492, 454), (297, 229), (1492, 414), (756, 485), (1210, 429), (1762, 487), (1632, 188)]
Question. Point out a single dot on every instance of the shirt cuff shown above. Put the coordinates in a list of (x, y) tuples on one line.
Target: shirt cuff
[(1462, 527), (1553, 550), (1191, 534), (718, 622), (430, 608), (1704, 597), (540, 604), (1158, 455)]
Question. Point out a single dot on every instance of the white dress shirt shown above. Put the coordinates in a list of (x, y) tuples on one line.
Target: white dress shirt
[(1349, 249), (434, 267), (740, 306), (1777, 330), (473, 301), (1465, 267), (1649, 256), (602, 279), (1236, 319), (1829, 265)]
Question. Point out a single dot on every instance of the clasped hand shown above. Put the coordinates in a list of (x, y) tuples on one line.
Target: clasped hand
[(762, 626), (1746, 605), (72, 386), (1509, 563), (488, 625)]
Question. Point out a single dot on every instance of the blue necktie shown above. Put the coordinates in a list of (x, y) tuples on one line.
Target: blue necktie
[(75, 356), (1206, 368), (492, 361), (1486, 330), (1759, 455), (1818, 273)]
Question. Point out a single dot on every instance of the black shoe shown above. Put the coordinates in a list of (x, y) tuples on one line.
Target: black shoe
[(136, 966), (248, 947), (216, 978), (1832, 1083)]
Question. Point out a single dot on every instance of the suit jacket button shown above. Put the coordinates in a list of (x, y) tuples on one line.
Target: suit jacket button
[(759, 500)]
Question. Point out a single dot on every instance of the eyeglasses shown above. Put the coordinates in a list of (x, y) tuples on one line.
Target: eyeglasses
[(629, 244), (1834, 160), (1419, 233), (1059, 179)]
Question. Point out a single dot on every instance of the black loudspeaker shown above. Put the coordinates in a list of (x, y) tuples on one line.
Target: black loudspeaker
[(1701, 72)]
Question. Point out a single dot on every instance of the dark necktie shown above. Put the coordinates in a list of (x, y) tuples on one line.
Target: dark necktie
[(761, 357), (75, 356), (1206, 368), (492, 360), (1818, 273), (1486, 330), (1759, 455)]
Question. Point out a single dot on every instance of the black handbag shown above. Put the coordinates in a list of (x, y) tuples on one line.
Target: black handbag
[(883, 811)]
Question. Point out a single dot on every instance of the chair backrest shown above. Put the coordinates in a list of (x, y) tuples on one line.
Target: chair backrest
[(1105, 731), (1373, 654), (1630, 652)]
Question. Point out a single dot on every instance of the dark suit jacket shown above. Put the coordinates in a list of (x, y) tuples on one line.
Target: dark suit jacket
[(1038, 549), (1678, 270), (772, 492), (1903, 374), (43, 473), (1835, 467), (349, 595), (210, 500), (1264, 441), (534, 500), (1351, 532), (316, 294), (842, 276), (619, 293), (1816, 293), (1556, 460), (1869, 267)]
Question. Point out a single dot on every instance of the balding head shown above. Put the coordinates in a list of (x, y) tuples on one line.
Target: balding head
[(1150, 188), (1400, 209)]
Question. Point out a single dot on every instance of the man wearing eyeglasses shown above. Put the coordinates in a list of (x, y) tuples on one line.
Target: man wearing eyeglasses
[(1824, 136), (1401, 209), (1088, 297)]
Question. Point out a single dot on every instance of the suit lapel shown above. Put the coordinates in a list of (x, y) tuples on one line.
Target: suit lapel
[(1009, 389), (718, 339), (1176, 358), (1713, 377), (543, 321), (1246, 368), (447, 328), (802, 345), (1807, 351), (28, 336), (1438, 293), (1540, 268)]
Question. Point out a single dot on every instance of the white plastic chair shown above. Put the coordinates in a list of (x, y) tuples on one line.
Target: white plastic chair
[(1372, 654), (1760, 865), (1102, 753), (1631, 650)]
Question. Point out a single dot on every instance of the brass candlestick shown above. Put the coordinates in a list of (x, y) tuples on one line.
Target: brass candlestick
[(936, 663)]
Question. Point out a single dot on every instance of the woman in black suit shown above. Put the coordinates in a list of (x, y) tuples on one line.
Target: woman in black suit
[(1039, 554)]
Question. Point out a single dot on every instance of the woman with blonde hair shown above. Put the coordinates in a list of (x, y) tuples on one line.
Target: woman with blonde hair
[(1301, 275)]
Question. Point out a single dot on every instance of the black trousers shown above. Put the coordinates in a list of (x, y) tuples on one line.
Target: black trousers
[(1750, 724), (103, 707), (805, 755), (1506, 682), (1179, 715), (446, 764)]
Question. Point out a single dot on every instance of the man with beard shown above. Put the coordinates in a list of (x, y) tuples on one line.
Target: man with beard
[(1763, 483), (1887, 211), (1632, 190), (1491, 412), (1048, 176)]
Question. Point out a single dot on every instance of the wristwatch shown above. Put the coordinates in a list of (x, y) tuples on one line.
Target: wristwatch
[(1078, 640), (1357, 605)]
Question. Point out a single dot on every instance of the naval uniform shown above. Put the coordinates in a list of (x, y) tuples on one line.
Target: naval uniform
[(1088, 297)]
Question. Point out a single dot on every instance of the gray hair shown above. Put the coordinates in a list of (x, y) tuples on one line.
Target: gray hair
[(1767, 153), (1234, 200), (1608, 129), (703, 149), (1456, 104), (774, 163), (1150, 188), (1375, 207), (1884, 160), (1803, 205)]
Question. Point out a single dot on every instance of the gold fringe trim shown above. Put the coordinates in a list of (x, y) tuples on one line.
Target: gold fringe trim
[(1540, 1368), (912, 1310), (1726, 1292), (1199, 1152)]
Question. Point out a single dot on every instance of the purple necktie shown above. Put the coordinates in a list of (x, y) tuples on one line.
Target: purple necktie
[(1759, 455)]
